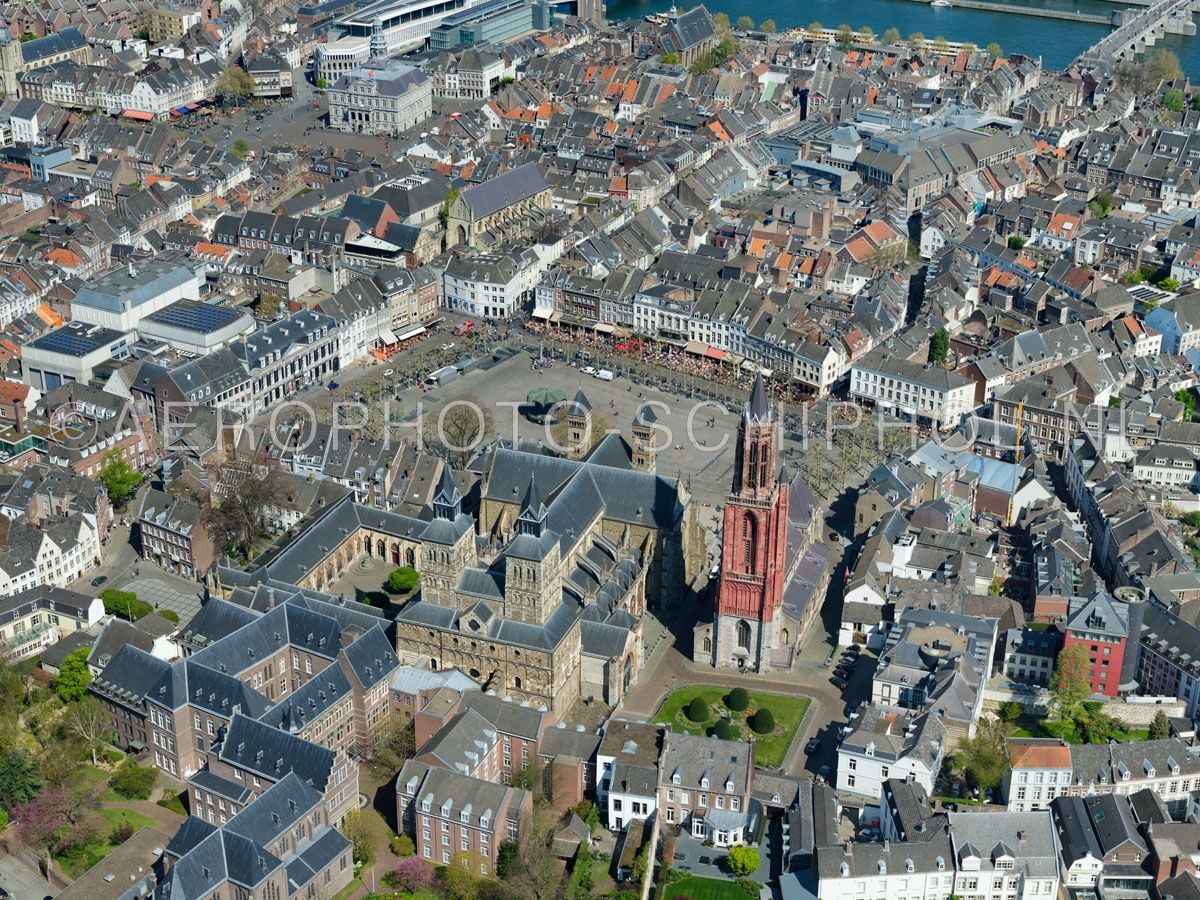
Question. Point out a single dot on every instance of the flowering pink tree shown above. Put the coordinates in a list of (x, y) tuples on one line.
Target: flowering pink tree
[(42, 819), (414, 874)]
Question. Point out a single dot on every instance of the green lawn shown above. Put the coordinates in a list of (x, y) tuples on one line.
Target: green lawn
[(86, 857), (1033, 727), (769, 749), (696, 888)]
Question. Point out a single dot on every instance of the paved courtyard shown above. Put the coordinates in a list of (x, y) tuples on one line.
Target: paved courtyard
[(23, 881)]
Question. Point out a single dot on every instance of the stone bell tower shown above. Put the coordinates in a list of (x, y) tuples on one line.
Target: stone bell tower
[(532, 565), (644, 454), (753, 544), (447, 544)]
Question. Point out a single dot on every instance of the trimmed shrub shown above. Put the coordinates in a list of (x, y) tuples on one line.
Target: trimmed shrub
[(722, 730), (134, 782), (697, 710), (737, 699), (763, 721)]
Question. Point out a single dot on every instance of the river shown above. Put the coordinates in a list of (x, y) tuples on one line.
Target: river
[(1056, 41)]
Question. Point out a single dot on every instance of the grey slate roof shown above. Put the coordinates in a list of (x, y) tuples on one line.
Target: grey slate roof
[(504, 190)]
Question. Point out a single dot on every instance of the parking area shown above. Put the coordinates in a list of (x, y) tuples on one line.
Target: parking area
[(827, 733)]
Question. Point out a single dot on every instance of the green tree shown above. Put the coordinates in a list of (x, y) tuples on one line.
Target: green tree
[(20, 779), (1172, 100), (867, 34), (721, 24), (1016, 242), (89, 722), (1160, 727), (74, 676), (671, 59), (915, 38), (939, 347), (322, 83), (1163, 65), (763, 721), (737, 699), (240, 148), (892, 35), (402, 580), (697, 710), (722, 730), (743, 861), (583, 876), (1070, 684), (815, 27), (134, 782), (1010, 711), (994, 49), (589, 812), (940, 44), (1188, 399), (768, 26), (1101, 205), (745, 23), (236, 522), (118, 477), (1169, 284), (985, 756), (124, 604), (403, 846), (508, 860), (844, 36), (357, 829), (1114, 402), (392, 746), (447, 205), (234, 83)]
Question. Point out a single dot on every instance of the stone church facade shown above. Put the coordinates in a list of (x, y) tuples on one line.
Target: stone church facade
[(539, 595)]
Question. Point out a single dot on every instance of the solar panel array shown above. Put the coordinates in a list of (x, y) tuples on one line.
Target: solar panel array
[(65, 342), (199, 317)]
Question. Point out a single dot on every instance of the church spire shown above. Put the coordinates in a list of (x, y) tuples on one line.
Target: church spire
[(447, 502), (759, 407), (532, 519)]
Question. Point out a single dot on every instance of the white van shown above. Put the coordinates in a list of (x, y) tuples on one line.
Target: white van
[(605, 375)]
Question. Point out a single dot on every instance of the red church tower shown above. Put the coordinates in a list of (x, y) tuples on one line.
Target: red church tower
[(753, 544)]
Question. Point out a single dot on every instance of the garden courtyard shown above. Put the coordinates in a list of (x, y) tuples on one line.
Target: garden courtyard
[(768, 720)]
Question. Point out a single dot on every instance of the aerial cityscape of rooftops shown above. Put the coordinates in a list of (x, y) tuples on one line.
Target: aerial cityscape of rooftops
[(529, 450)]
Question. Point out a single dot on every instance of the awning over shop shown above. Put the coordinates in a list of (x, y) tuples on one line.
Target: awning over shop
[(714, 353), (412, 332), (388, 337), (175, 113), (556, 317), (604, 328), (183, 109), (543, 314), (621, 332), (695, 347), (137, 115)]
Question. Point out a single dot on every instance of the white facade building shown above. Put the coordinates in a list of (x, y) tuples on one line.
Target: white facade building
[(905, 387)]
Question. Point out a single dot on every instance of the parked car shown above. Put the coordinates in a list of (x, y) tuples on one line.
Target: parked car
[(604, 375), (839, 682), (588, 370), (96, 582), (823, 774), (333, 385), (812, 745)]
